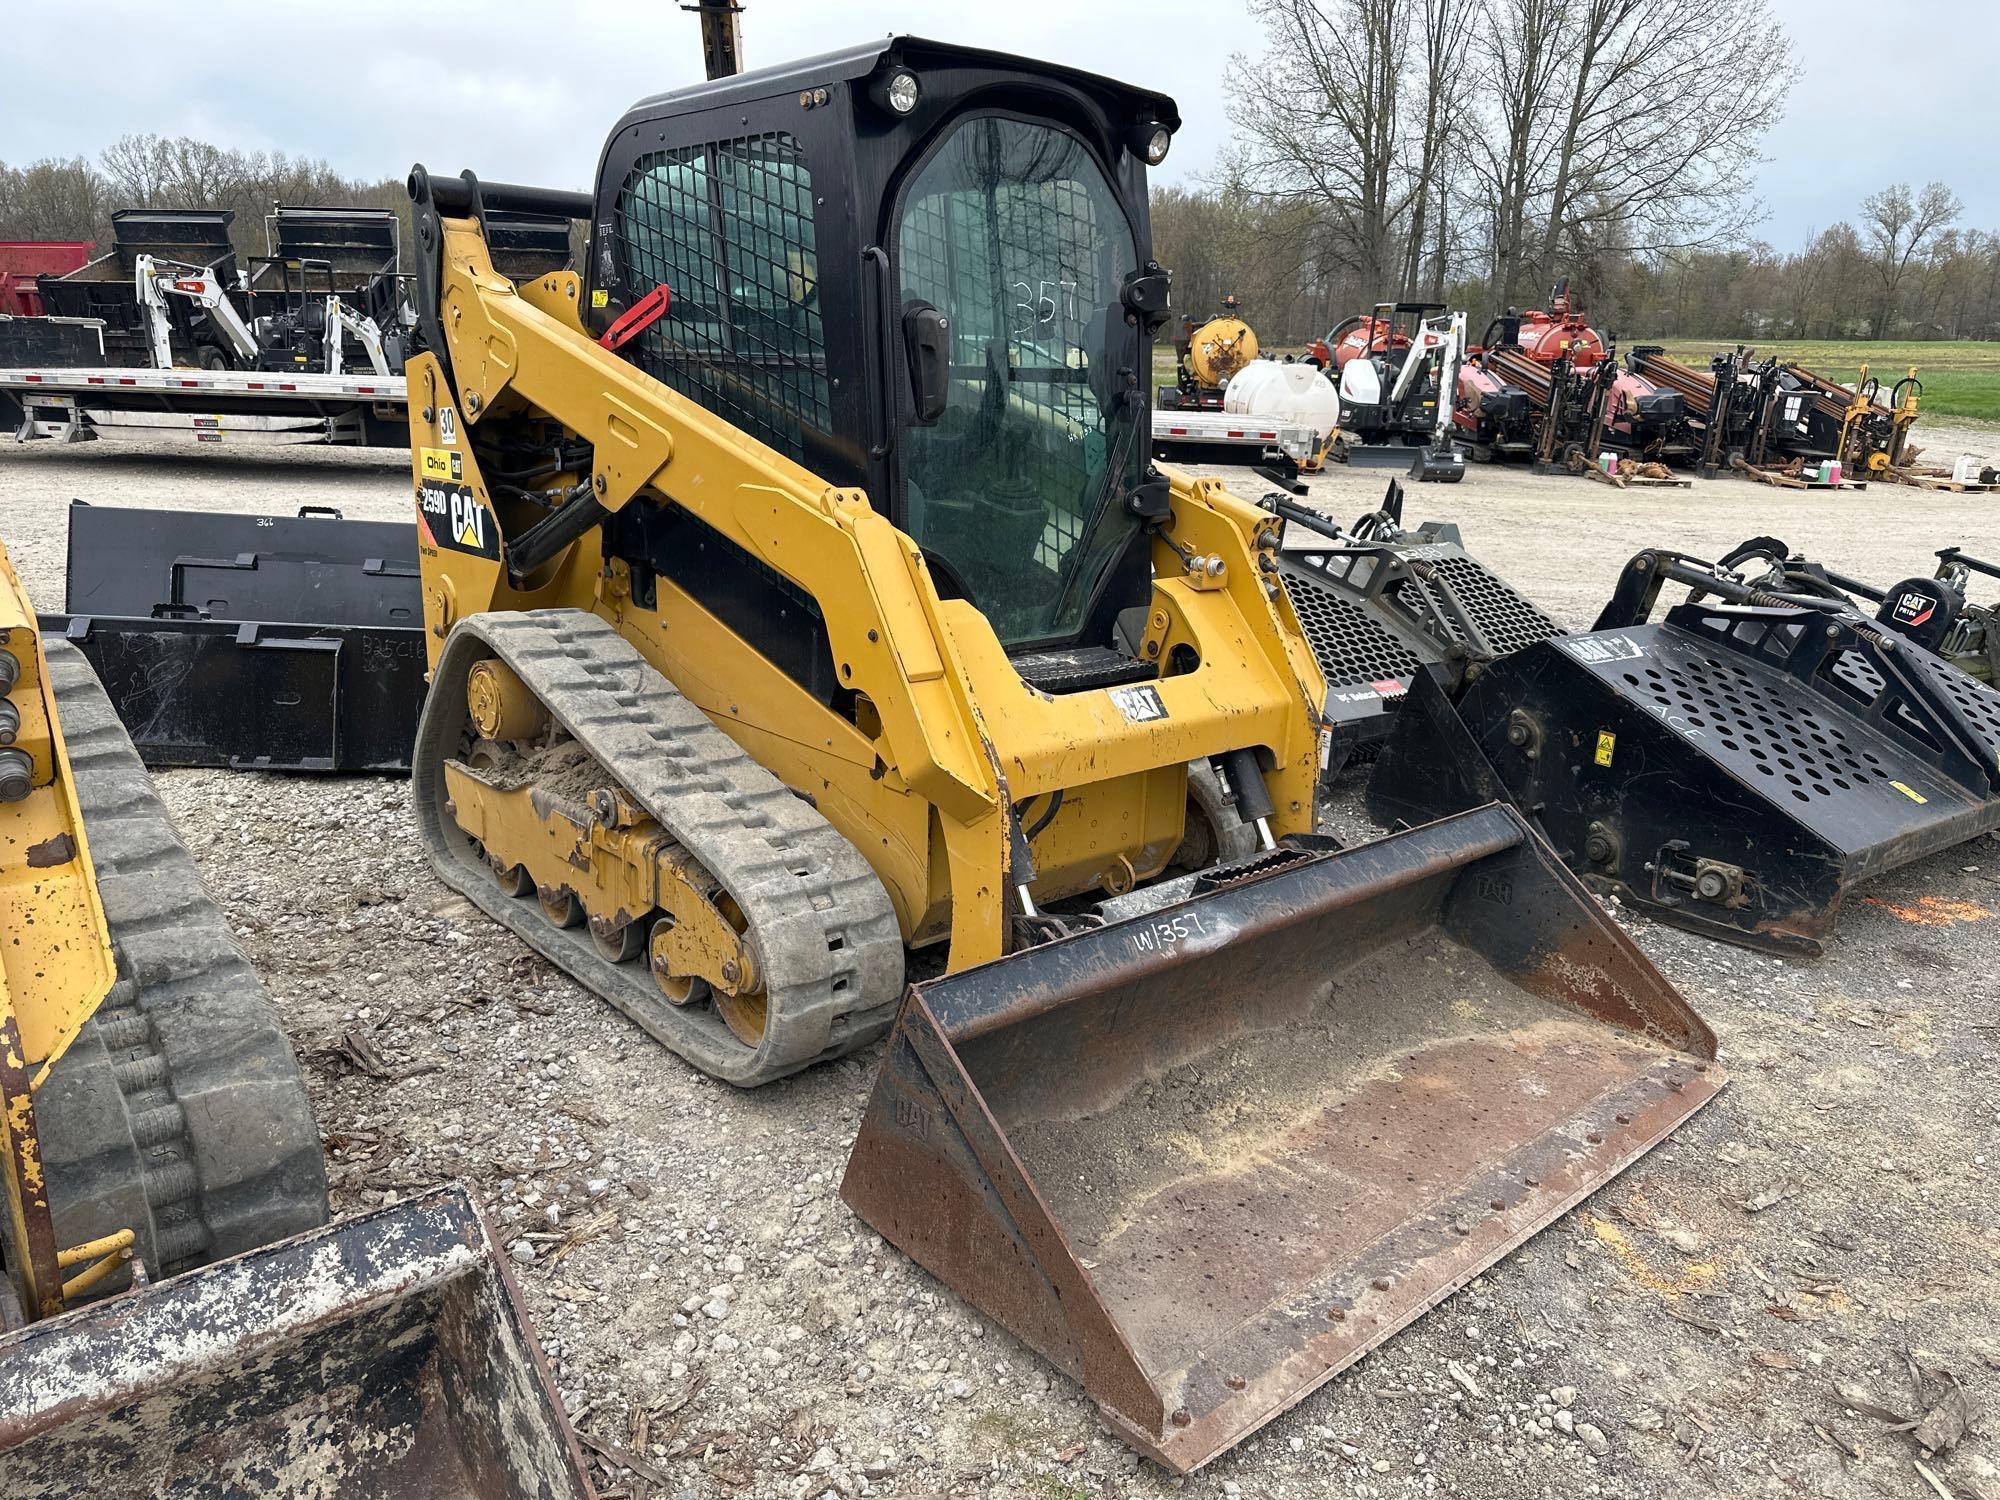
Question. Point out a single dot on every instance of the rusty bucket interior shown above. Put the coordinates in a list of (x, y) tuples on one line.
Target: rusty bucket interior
[(382, 1356), (1205, 1157)]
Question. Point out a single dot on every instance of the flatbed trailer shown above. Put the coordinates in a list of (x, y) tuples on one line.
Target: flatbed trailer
[(1224, 437), (241, 407)]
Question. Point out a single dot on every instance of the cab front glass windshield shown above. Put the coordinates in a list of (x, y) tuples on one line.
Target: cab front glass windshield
[(1012, 231)]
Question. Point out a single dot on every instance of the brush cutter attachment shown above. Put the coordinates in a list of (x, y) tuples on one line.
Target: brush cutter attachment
[(1214, 1151), (1378, 603), (1732, 769), (383, 1356)]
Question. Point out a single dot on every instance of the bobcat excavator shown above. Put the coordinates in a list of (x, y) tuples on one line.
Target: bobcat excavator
[(815, 655), (177, 1317)]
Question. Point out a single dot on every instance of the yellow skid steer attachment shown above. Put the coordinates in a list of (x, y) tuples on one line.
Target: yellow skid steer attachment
[(1209, 1154)]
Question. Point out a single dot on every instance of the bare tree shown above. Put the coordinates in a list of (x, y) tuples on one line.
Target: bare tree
[(1608, 135), (1898, 227), (1332, 134), (1524, 46), (137, 170), (51, 200), (1444, 36)]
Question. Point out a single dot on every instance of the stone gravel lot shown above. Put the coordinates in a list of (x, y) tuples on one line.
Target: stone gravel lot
[(1743, 1313)]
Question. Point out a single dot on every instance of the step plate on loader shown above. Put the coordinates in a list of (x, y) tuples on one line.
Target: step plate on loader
[(1732, 771), (1203, 1159), (1376, 613)]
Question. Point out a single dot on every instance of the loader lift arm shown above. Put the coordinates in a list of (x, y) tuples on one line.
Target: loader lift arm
[(340, 318)]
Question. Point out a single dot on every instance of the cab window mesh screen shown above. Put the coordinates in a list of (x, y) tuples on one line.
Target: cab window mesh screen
[(729, 227)]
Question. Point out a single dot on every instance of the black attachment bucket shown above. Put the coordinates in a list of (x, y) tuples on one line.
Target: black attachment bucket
[(1378, 604), (1203, 1158), (1441, 464), (244, 641), (383, 1356), (1733, 769)]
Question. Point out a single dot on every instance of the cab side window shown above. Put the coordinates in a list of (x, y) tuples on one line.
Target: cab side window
[(729, 227)]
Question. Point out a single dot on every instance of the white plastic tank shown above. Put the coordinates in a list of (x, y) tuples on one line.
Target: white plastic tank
[(1273, 391)]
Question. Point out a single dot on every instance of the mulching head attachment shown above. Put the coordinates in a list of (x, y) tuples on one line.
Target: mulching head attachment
[(263, 642), (1732, 769), (1378, 604), (383, 1356), (1211, 1153)]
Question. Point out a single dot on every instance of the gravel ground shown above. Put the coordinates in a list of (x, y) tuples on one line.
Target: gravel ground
[(1718, 1321)]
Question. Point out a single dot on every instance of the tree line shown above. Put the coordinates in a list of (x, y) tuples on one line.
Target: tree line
[(1456, 151), (1902, 268), (1473, 152), (74, 199)]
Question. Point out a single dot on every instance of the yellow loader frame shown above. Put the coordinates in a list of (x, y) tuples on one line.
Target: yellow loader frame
[(948, 740), (56, 964)]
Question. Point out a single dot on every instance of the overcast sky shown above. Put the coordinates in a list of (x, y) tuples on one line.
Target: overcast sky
[(1887, 89)]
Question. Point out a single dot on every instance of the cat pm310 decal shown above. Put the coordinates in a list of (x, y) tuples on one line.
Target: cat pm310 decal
[(452, 516)]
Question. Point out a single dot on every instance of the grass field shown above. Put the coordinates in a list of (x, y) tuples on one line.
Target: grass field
[(1960, 379)]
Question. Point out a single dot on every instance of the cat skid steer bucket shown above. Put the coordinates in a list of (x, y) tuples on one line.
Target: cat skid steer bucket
[(383, 1357), (1208, 1154)]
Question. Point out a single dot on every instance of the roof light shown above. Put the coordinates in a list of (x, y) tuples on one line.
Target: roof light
[(1150, 140), (897, 92)]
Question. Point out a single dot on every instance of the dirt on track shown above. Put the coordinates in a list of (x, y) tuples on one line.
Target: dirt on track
[(1718, 1321)]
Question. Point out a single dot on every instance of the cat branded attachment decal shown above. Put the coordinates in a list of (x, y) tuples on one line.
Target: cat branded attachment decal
[(1914, 608)]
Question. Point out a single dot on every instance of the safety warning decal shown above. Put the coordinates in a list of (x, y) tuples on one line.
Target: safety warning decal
[(451, 516), (1140, 705), (441, 463), (1595, 650), (1909, 791), (1607, 746)]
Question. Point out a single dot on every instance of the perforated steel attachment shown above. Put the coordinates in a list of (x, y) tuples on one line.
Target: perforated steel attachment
[(1378, 610), (1733, 769)]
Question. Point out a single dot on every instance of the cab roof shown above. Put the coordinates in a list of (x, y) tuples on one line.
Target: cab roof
[(915, 53)]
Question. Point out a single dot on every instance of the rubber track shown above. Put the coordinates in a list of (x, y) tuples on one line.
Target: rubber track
[(821, 926), (179, 1111)]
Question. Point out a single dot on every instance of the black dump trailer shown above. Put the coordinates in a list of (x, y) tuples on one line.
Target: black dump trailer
[(104, 289)]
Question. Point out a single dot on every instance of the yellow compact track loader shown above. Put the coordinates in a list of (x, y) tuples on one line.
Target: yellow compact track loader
[(150, 1106), (806, 620), (177, 1318)]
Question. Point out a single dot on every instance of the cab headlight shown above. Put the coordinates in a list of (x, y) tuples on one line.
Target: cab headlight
[(897, 92)]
